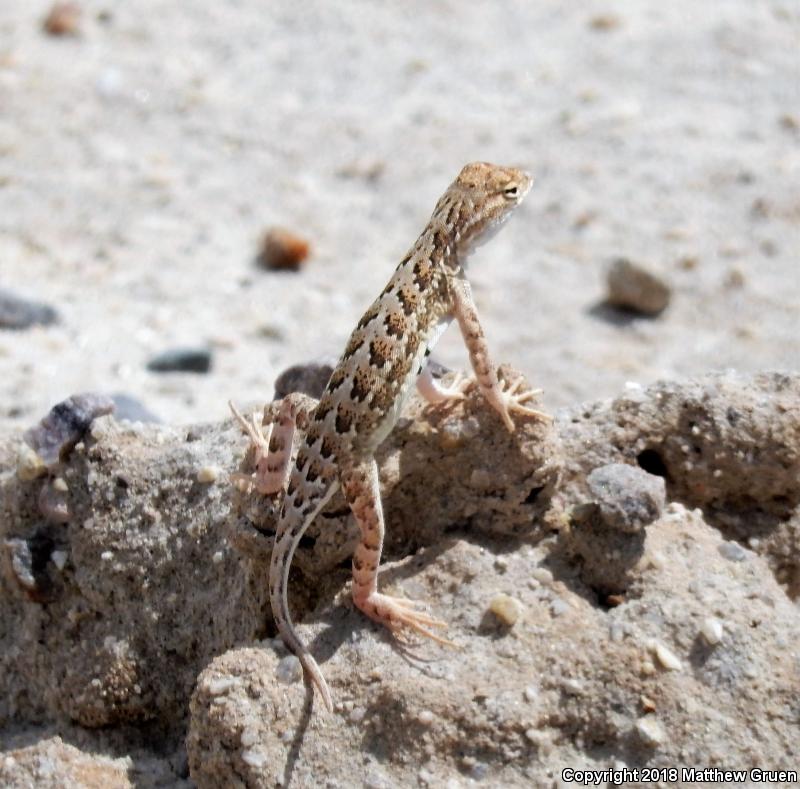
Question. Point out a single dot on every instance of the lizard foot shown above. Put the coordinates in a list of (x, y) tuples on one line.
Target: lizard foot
[(513, 400), (434, 393), (399, 614)]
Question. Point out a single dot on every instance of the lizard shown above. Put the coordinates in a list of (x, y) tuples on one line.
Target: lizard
[(384, 358)]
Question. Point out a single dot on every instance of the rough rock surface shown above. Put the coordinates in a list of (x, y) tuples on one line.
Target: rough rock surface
[(156, 610)]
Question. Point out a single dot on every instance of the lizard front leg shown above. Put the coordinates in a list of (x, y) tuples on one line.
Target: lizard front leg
[(504, 401), (274, 454), (361, 490)]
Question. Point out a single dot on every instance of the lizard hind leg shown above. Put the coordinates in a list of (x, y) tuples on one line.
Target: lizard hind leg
[(360, 488)]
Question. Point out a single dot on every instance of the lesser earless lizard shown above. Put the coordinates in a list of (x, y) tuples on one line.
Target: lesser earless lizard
[(384, 358)]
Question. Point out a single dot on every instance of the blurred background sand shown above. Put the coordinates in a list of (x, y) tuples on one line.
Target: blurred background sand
[(142, 160)]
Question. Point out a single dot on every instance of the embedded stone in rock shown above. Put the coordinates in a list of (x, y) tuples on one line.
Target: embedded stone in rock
[(66, 424), (627, 498)]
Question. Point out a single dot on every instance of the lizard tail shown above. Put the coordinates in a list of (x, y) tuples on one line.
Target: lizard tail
[(292, 527)]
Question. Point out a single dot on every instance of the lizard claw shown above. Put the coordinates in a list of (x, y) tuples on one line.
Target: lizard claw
[(400, 614), (512, 400)]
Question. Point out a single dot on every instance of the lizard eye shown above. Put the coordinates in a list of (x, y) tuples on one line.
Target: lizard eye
[(510, 191)]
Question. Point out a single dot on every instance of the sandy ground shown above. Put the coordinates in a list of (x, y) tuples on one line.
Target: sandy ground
[(141, 161)]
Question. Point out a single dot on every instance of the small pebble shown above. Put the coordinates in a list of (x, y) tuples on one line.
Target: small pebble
[(627, 498), (249, 738), (289, 670), (531, 693), (559, 607), (220, 685), (63, 19), (181, 360), (650, 730), (357, 714), (59, 559), (282, 250), (667, 659), (542, 575), (29, 465), (217, 557), (633, 287), (480, 479), (425, 717), (732, 551), (254, 758), (129, 409), (712, 630), (19, 313), (207, 474), (506, 608), (310, 379)]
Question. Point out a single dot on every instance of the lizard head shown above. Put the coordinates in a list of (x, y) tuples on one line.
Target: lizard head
[(479, 201)]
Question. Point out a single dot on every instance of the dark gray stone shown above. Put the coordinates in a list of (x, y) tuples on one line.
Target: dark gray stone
[(181, 360), (19, 313)]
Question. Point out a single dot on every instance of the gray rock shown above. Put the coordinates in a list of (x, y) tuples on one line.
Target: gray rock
[(633, 287), (127, 407), (65, 425), (627, 498), (19, 313), (310, 379), (181, 360)]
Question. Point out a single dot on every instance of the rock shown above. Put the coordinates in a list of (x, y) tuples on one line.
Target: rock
[(132, 410), (19, 313), (283, 250), (182, 360), (627, 498), (63, 19), (66, 424), (632, 287), (155, 619), (310, 379)]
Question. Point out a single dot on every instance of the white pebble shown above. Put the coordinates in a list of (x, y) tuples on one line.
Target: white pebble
[(289, 670), (220, 685), (531, 693), (207, 474), (248, 738), (668, 659), (732, 551), (59, 559), (425, 717), (542, 575), (357, 714), (60, 485), (650, 730), (29, 464), (217, 557), (572, 687), (107, 556), (506, 608), (254, 757), (712, 630), (559, 607)]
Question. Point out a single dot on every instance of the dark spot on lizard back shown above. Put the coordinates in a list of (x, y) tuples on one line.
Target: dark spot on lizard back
[(368, 316), (423, 273), (327, 448), (361, 385), (408, 299), (396, 324), (380, 352), (337, 379), (344, 420), (355, 342)]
